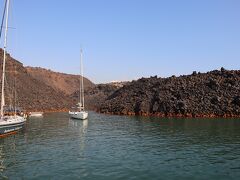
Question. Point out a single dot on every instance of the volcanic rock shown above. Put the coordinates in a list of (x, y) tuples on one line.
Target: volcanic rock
[(31, 94), (67, 83), (212, 94)]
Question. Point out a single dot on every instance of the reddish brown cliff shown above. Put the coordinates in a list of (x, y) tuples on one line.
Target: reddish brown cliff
[(32, 94), (66, 83)]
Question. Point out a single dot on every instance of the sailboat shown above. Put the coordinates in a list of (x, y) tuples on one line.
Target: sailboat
[(80, 112), (9, 124)]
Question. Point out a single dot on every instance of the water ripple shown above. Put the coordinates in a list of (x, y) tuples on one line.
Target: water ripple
[(120, 147)]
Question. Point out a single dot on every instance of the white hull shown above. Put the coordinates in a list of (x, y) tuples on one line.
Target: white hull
[(10, 124), (79, 115), (36, 114)]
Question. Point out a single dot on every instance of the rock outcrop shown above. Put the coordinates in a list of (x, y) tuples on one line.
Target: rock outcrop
[(31, 94), (95, 96), (38, 89), (212, 94), (67, 83)]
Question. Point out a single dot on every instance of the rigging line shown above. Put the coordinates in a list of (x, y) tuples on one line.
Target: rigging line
[(9, 27), (8, 92), (15, 93), (3, 17)]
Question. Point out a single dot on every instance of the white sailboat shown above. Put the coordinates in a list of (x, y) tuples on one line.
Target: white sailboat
[(9, 124), (80, 112)]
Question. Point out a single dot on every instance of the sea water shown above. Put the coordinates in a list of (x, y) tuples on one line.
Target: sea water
[(120, 147)]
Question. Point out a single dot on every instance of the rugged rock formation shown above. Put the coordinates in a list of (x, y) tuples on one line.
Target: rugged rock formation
[(66, 83), (32, 94), (39, 89), (212, 94), (95, 96)]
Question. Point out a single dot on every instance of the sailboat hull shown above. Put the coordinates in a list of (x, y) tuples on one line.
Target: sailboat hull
[(79, 115), (12, 125)]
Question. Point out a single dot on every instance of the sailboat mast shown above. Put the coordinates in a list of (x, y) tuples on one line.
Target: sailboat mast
[(80, 89), (82, 79), (4, 61), (15, 92)]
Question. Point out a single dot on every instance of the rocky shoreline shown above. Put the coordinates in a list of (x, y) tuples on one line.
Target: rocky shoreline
[(47, 110), (172, 115), (168, 115)]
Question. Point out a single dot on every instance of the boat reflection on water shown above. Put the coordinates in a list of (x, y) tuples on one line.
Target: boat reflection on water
[(82, 125), (2, 166), (7, 145), (81, 129)]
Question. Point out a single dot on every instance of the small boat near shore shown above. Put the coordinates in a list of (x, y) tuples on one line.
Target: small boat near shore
[(35, 114)]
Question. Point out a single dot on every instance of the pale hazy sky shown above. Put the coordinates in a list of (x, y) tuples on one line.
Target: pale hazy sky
[(126, 39)]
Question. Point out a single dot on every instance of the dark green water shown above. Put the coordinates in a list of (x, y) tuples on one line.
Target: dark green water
[(119, 147)]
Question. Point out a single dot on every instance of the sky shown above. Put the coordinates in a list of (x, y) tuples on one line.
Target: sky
[(125, 39)]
